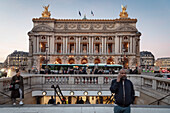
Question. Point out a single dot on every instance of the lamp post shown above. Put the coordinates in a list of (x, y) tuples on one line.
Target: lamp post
[(46, 60)]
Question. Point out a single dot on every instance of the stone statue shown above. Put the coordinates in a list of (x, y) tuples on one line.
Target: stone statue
[(123, 14), (46, 13)]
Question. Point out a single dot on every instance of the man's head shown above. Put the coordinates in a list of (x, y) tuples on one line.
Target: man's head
[(17, 72), (122, 72)]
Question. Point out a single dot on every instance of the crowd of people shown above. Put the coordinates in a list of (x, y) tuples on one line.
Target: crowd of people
[(83, 70)]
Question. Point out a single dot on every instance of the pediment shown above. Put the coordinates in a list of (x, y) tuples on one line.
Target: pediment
[(126, 28), (42, 28)]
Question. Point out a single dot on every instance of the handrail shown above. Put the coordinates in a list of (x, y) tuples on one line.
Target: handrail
[(7, 96), (159, 100)]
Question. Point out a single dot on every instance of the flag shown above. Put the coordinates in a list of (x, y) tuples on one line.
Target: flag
[(92, 13), (79, 13)]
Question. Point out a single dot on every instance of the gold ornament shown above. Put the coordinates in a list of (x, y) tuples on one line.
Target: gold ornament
[(46, 13), (123, 14)]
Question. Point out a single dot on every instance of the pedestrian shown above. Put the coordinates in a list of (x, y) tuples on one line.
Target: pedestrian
[(81, 101), (18, 89), (51, 101), (124, 93)]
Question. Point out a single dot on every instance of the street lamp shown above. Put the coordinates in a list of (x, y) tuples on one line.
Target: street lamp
[(46, 60)]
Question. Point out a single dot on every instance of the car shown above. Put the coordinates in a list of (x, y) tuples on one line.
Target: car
[(165, 71), (3, 74), (167, 76)]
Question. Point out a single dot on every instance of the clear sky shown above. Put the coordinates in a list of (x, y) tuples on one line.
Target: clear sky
[(153, 20)]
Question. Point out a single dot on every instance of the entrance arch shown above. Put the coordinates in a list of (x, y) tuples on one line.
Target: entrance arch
[(58, 61), (110, 61), (71, 61), (96, 61), (84, 61)]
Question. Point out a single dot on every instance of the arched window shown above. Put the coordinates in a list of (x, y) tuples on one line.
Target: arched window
[(97, 38), (71, 38)]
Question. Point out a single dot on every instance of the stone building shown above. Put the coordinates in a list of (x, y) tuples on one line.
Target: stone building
[(163, 63), (147, 59), (81, 41), (17, 59)]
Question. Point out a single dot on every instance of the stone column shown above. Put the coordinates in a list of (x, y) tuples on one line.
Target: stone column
[(116, 44), (107, 48), (112, 48), (66, 45), (79, 44), (130, 45), (76, 45), (120, 48), (105, 45), (102, 45), (100, 48), (52, 44), (134, 45), (48, 44), (38, 44), (89, 50), (92, 46), (34, 44), (30, 46)]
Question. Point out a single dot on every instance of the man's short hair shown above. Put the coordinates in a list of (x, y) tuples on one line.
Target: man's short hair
[(17, 70)]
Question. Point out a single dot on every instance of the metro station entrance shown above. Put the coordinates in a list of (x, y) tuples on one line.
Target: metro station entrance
[(80, 100)]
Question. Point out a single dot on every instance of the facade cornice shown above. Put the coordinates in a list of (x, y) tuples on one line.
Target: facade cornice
[(124, 20)]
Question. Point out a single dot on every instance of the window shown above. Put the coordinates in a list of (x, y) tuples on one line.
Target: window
[(59, 38), (84, 38), (43, 37), (71, 48), (71, 38), (43, 46), (97, 38), (58, 48), (109, 48), (110, 38)]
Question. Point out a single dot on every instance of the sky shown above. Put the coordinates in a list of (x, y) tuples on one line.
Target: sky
[(153, 20)]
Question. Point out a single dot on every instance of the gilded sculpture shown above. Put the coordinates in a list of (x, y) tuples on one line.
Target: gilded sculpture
[(123, 14), (46, 13)]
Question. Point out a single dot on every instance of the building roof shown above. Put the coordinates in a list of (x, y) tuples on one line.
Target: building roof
[(163, 58), (18, 52), (146, 54)]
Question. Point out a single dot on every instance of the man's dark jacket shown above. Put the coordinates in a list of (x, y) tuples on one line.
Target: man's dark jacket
[(117, 88)]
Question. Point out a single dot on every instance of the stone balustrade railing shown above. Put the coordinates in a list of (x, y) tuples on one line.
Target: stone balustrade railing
[(157, 84)]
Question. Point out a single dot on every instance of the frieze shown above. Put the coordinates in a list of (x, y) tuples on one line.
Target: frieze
[(43, 28)]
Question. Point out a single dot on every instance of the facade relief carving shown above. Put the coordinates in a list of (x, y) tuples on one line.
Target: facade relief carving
[(39, 28), (59, 26)]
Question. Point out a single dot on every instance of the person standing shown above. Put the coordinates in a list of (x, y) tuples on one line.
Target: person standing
[(18, 89), (124, 93), (51, 101)]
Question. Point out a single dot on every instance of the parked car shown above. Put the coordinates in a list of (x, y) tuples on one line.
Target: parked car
[(165, 71), (163, 75), (167, 76), (3, 74)]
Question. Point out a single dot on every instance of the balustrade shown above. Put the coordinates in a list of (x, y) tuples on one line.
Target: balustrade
[(158, 84)]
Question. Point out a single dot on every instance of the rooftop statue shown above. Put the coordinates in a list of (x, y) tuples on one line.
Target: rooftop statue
[(46, 13), (123, 14)]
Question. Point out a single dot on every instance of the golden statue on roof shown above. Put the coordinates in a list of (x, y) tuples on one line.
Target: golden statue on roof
[(123, 14), (46, 13)]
